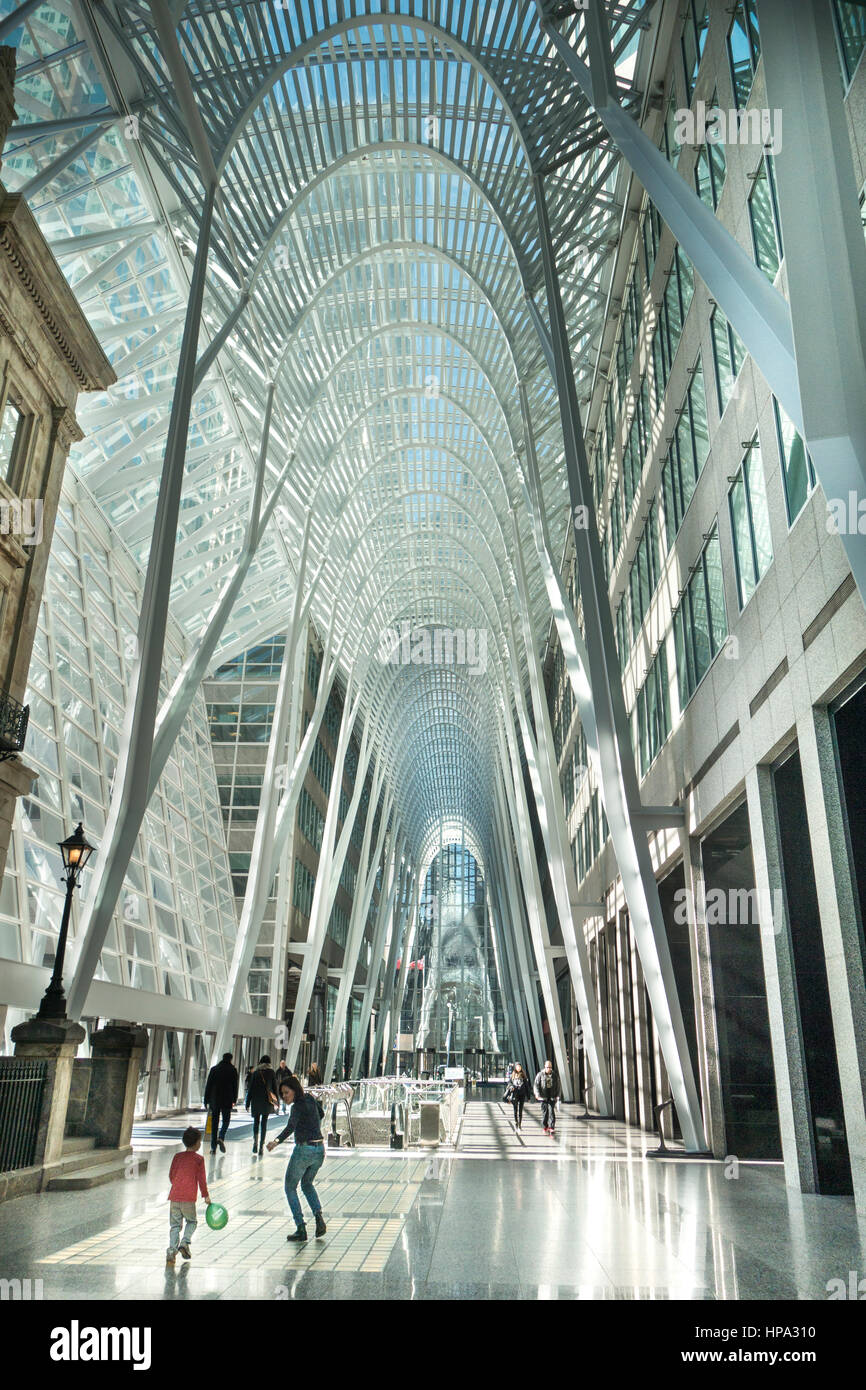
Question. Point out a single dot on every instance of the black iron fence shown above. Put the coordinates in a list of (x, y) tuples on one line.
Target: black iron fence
[(14, 718), (22, 1081)]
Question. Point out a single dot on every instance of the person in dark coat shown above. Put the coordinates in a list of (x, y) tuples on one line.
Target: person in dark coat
[(518, 1092), (282, 1074), (220, 1094), (261, 1100)]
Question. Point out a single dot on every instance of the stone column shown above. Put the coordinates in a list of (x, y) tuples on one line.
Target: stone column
[(55, 1041), (705, 999), (789, 1063), (16, 779), (117, 1052)]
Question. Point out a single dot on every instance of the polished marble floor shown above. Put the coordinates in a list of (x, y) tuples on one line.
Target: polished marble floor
[(581, 1214)]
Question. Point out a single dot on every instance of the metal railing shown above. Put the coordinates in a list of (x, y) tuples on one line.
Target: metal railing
[(338, 1093), (387, 1096), (22, 1082), (14, 718)]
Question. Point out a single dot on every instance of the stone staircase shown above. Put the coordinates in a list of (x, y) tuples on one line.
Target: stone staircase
[(82, 1165)]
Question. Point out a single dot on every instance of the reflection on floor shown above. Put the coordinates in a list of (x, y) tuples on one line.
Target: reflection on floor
[(579, 1214)]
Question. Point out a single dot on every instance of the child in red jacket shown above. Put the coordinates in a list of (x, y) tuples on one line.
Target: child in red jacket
[(187, 1175)]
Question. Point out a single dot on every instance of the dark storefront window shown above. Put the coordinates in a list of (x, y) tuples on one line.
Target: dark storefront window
[(745, 1055), (813, 994)]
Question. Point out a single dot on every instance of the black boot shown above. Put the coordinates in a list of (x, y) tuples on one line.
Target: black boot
[(299, 1234), (321, 1228)]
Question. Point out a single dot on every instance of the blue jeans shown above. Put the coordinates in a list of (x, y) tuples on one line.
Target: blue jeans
[(304, 1164)]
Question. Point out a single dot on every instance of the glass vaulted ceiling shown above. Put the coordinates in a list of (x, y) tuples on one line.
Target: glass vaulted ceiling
[(376, 205)]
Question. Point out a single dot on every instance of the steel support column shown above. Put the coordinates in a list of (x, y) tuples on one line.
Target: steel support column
[(330, 866), (264, 856), (386, 904), (402, 976), (619, 783), (544, 775), (521, 955), (389, 980), (132, 778), (514, 1002), (534, 903), (360, 907)]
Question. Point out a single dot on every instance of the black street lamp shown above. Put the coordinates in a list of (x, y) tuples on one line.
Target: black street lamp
[(76, 852)]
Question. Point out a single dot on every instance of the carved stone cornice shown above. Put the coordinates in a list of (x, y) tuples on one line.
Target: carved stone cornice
[(23, 246), (67, 430)]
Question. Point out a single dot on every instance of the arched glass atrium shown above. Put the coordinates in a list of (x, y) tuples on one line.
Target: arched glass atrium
[(444, 637)]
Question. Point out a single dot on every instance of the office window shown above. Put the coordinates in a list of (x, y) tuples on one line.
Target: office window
[(11, 436), (223, 721), (744, 49), (671, 143), (797, 470), (764, 217), (700, 621), (652, 235), (645, 573), (711, 168), (623, 635), (750, 522), (728, 357), (652, 719), (693, 41), (686, 456), (851, 24)]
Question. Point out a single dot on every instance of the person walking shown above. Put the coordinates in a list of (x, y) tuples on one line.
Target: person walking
[(518, 1093), (220, 1094), (305, 1117), (261, 1101), (283, 1073), (314, 1076), (509, 1072), (547, 1091)]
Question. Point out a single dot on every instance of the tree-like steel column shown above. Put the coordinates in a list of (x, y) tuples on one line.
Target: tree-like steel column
[(520, 935), (263, 859), (544, 775), (330, 865), (619, 783), (386, 904), (513, 1001), (367, 871), (131, 782), (534, 903), (400, 988), (388, 983)]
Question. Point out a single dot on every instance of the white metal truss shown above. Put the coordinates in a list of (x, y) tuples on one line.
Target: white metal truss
[(366, 185)]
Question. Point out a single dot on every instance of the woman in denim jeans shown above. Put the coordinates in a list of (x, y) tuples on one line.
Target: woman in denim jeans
[(307, 1157)]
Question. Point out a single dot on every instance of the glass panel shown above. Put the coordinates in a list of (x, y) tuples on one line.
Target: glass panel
[(759, 514), (799, 476), (742, 541)]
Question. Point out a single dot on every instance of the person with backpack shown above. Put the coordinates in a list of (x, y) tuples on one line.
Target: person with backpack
[(220, 1094), (261, 1100), (547, 1090), (308, 1155), (518, 1093)]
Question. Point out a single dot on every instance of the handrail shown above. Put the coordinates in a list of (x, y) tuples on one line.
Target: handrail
[(337, 1093)]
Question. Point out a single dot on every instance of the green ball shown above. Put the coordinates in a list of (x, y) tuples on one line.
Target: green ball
[(216, 1216)]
